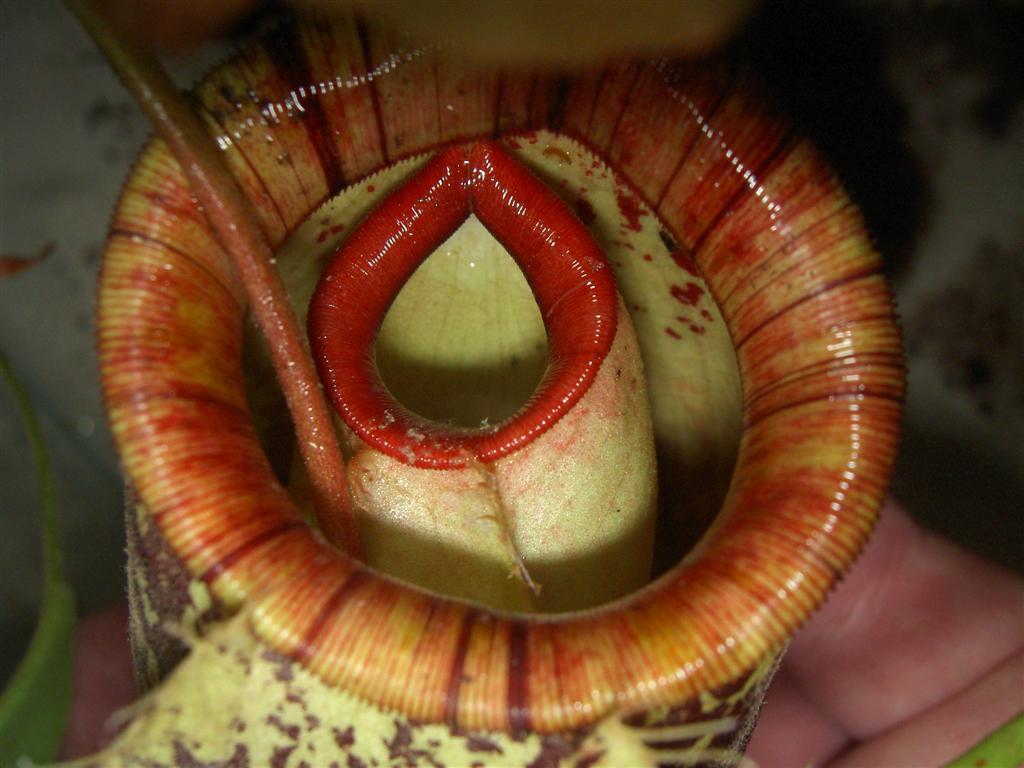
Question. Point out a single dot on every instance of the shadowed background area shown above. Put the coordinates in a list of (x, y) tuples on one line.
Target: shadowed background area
[(918, 110)]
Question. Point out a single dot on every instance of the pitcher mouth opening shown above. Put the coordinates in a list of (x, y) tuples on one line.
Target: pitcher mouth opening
[(686, 348)]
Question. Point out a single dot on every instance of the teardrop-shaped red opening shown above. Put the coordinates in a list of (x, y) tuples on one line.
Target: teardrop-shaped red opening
[(569, 275)]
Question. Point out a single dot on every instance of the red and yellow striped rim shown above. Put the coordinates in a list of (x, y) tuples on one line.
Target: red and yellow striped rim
[(778, 242)]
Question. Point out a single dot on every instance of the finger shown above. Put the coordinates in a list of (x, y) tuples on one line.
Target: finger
[(792, 730), (949, 729), (916, 621), (102, 680)]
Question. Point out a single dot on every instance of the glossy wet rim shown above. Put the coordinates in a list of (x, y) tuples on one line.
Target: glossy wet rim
[(781, 248), (569, 275)]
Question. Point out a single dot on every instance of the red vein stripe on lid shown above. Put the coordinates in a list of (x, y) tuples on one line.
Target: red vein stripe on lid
[(334, 55), (293, 148), (240, 124), (404, 87), (366, 45), (290, 58)]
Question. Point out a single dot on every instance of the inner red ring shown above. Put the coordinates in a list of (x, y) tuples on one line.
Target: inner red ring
[(570, 278)]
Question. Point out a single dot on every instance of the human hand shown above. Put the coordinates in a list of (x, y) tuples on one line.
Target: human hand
[(917, 656)]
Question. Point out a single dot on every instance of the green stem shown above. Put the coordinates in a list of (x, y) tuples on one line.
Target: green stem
[(34, 706), (53, 564), (1003, 747), (231, 217)]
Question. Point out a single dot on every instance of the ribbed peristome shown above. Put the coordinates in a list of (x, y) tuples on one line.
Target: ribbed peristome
[(778, 242)]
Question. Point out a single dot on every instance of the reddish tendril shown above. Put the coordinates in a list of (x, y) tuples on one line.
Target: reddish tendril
[(569, 275)]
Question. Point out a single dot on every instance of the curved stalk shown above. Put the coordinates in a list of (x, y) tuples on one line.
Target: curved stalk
[(34, 704), (231, 217)]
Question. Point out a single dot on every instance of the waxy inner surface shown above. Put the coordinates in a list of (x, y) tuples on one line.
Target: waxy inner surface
[(547, 496)]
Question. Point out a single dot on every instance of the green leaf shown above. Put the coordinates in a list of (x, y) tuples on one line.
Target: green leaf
[(34, 707), (1003, 747)]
